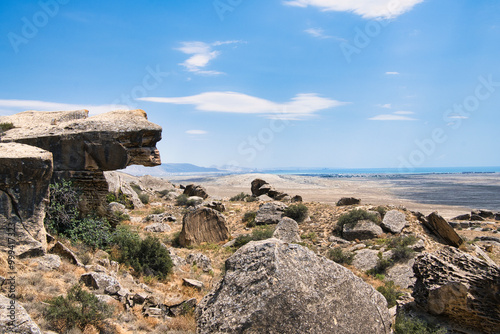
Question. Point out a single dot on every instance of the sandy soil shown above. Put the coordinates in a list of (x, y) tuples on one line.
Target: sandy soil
[(449, 194)]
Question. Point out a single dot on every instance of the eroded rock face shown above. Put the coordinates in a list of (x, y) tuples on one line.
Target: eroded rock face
[(287, 230), (21, 322), (260, 187), (439, 226), (274, 287), (203, 225), (25, 173), (270, 213), (460, 287), (348, 201), (394, 221), (364, 229), (195, 190)]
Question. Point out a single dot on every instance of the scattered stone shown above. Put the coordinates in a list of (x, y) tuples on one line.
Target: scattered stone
[(22, 322), (229, 243), (459, 286), (159, 218), (270, 213), (274, 287), (296, 199), (365, 259), (112, 289), (116, 207), (98, 281), (177, 261), (476, 218), (218, 206), (348, 201), (394, 221), (488, 238), (402, 274), (483, 213), (337, 240), (364, 229), (287, 230), (154, 312), (195, 190), (462, 217), (264, 198), (419, 246), (66, 253), (139, 298), (441, 228), (192, 283), (47, 262), (497, 216), (104, 299), (203, 225), (256, 187), (158, 228), (202, 261), (182, 308)]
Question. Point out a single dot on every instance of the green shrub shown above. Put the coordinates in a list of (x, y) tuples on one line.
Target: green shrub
[(390, 292), (191, 202), (62, 212), (5, 127), (144, 198), (259, 233), (382, 265), (120, 198), (402, 241), (147, 256), (381, 210), (158, 210), (136, 188), (121, 216), (110, 198), (297, 212), (78, 309), (239, 198), (352, 217), (92, 231), (406, 325), (165, 192), (311, 236), (250, 199), (400, 249), (249, 218), (339, 256), (181, 200)]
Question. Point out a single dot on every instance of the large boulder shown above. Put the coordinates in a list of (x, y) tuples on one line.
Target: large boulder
[(394, 221), (364, 229), (270, 213), (440, 227), (195, 190), (203, 225), (15, 319), (256, 187), (275, 287), (287, 230), (348, 201), (25, 174), (483, 213), (460, 287)]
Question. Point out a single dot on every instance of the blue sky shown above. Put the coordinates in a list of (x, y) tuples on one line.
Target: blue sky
[(269, 83)]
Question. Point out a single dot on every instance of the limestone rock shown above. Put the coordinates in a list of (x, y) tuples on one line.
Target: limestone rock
[(394, 221), (459, 286), (255, 187), (273, 287), (159, 218), (287, 230), (439, 226), (65, 252), (483, 213), (219, 206), (203, 225), (402, 274), (158, 228), (20, 322), (192, 283), (296, 199), (182, 308), (201, 260), (25, 174), (462, 217), (196, 200), (270, 213), (47, 262), (365, 259), (177, 261), (98, 281), (116, 207), (118, 183), (364, 229), (195, 190), (348, 201)]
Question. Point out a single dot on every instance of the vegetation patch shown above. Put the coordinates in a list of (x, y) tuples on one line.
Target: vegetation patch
[(259, 233), (352, 217), (249, 218), (390, 292), (297, 212), (339, 256), (5, 127), (409, 325)]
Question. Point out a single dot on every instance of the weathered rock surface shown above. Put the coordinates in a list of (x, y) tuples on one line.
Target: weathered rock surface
[(440, 227), (273, 287), (462, 217), (260, 187), (15, 319), (483, 213), (460, 287), (47, 262), (365, 259), (25, 174), (270, 213), (98, 281), (195, 190), (66, 253), (296, 199), (348, 201), (203, 225), (158, 228), (287, 230), (201, 260), (364, 229), (394, 221), (192, 283), (119, 183), (219, 206), (402, 274)]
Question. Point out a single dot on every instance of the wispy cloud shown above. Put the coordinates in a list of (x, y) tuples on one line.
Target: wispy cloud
[(392, 73), (385, 106), (9, 107), (320, 33), (298, 108), (196, 132), (368, 9), (396, 116), (201, 55)]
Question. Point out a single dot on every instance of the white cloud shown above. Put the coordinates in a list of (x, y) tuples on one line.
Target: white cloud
[(386, 106), (459, 117), (196, 132), (391, 117), (14, 106), (201, 54), (392, 73), (300, 107), (368, 9), (317, 32), (404, 112)]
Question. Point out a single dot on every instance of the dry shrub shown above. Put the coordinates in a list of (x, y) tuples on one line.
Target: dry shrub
[(183, 323)]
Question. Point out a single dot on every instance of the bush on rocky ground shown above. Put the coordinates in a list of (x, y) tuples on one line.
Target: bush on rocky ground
[(352, 217), (297, 212), (339, 256)]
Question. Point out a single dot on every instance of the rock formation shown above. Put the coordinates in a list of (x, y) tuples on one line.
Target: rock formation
[(440, 227), (348, 201), (194, 190), (364, 229), (20, 322), (459, 286), (394, 221), (25, 173), (83, 147), (287, 230), (203, 225), (270, 213), (260, 187), (274, 287)]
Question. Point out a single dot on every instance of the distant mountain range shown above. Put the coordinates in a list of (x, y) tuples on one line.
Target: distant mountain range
[(181, 168)]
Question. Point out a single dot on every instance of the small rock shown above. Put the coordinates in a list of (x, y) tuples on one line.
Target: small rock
[(201, 260), (296, 199), (65, 252), (98, 281), (157, 228), (365, 259), (462, 217), (197, 200), (116, 207), (287, 230), (483, 213), (229, 243), (48, 262), (112, 289), (195, 190), (270, 213), (348, 201), (364, 229), (419, 246), (476, 218), (402, 274), (182, 308), (394, 221), (203, 225), (139, 298), (192, 283), (218, 206)]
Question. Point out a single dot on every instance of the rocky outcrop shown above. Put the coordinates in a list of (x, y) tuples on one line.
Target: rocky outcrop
[(200, 260), (203, 225), (260, 187), (348, 201), (15, 319), (99, 281), (394, 221), (287, 230), (158, 228), (270, 213), (195, 190), (83, 147), (274, 287), (364, 229), (440, 227), (487, 214), (459, 286), (25, 174)]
